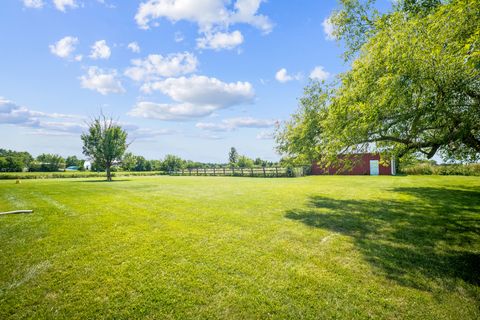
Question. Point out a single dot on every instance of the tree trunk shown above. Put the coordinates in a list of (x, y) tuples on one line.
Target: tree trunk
[(109, 175)]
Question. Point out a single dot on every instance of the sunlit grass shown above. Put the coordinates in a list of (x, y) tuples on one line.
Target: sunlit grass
[(222, 247)]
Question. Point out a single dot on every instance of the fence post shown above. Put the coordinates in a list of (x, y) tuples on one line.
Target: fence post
[(233, 171), (197, 172), (264, 173), (251, 172), (205, 171), (182, 171), (214, 172), (241, 169), (276, 171)]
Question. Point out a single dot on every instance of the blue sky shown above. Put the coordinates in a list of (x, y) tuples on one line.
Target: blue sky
[(184, 77)]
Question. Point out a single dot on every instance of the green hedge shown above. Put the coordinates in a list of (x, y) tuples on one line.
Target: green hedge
[(74, 174), (443, 170)]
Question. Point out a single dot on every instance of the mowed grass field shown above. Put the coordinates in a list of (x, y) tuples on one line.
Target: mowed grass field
[(241, 248)]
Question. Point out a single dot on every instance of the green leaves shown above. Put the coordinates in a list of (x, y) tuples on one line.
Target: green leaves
[(414, 88), (105, 142)]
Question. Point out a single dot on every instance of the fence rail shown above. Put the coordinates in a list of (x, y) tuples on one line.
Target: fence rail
[(267, 172)]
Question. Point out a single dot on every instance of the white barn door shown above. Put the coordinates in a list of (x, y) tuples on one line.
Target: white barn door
[(374, 168)]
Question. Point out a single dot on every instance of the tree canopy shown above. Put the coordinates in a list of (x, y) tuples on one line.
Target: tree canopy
[(105, 142), (414, 88)]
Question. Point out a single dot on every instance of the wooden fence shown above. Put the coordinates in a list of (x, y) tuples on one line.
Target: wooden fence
[(267, 172)]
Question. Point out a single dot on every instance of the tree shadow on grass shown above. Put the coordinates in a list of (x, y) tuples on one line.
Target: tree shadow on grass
[(103, 180), (425, 241)]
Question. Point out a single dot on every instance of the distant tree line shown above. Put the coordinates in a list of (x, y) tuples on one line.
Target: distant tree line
[(131, 162), (14, 161)]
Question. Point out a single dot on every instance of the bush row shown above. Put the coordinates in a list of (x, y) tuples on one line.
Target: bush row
[(444, 169), (74, 174)]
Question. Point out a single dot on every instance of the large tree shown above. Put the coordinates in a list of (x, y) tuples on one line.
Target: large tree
[(105, 142), (413, 88), (50, 162), (172, 163), (356, 21)]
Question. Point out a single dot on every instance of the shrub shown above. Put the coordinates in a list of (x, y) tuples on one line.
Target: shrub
[(472, 169)]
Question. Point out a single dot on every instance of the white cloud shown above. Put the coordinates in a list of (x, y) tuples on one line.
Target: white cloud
[(328, 28), (234, 123), (208, 136), (57, 124), (164, 111), (204, 12), (134, 47), (220, 40), (104, 82), (156, 66), (64, 47), (141, 133), (202, 90), (283, 76), (145, 134), (211, 16), (266, 135), (63, 4), (12, 113), (35, 4), (100, 50), (319, 73), (193, 97), (246, 12), (78, 57)]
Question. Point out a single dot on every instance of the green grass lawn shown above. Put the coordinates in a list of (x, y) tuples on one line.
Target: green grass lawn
[(244, 248)]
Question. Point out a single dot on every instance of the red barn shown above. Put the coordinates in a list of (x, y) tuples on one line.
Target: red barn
[(362, 164)]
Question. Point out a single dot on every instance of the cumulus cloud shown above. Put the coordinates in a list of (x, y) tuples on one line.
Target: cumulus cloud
[(220, 40), (64, 47), (319, 73), (196, 96), (134, 47), (328, 29), (164, 111), (156, 66), (58, 124), (12, 113), (63, 4), (35, 4), (100, 50), (203, 12), (211, 16), (102, 81), (283, 76), (234, 123), (202, 90)]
